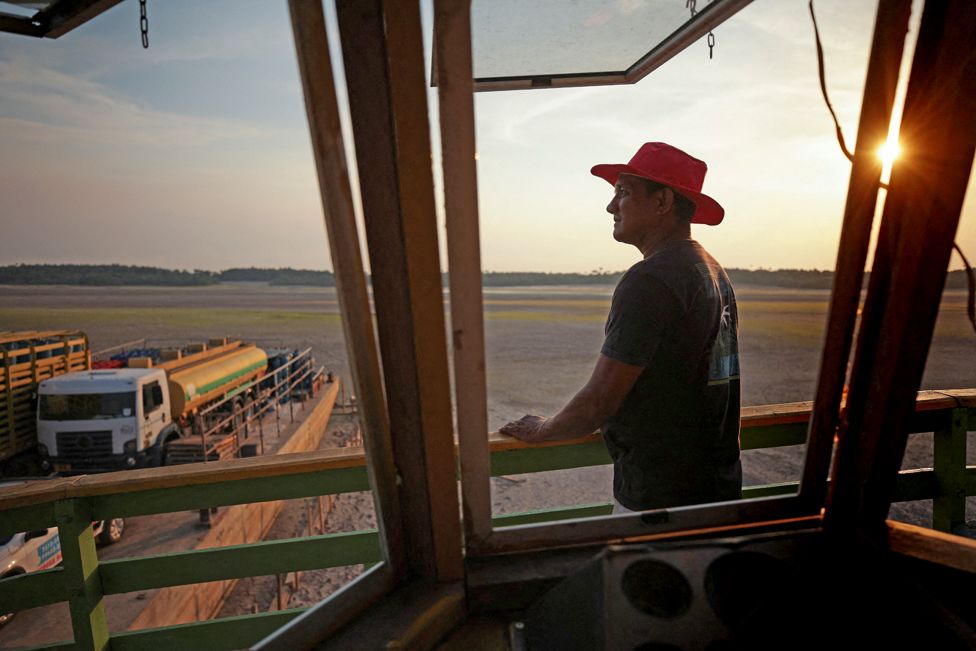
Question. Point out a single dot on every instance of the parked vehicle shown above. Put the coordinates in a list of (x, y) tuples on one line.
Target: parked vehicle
[(118, 418), (26, 359), (30, 551)]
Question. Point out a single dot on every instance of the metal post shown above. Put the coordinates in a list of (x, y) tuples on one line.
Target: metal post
[(198, 424)]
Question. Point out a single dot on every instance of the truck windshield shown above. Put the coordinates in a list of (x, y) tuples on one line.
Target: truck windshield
[(87, 406)]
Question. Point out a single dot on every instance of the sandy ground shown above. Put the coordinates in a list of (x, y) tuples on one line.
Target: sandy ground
[(541, 344)]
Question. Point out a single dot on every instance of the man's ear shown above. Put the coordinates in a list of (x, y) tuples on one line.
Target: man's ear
[(666, 203)]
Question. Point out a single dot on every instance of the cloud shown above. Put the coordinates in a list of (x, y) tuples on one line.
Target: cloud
[(43, 104)]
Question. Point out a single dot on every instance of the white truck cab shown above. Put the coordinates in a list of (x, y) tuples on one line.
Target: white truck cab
[(103, 419)]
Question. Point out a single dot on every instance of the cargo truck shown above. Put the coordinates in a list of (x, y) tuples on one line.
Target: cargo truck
[(113, 419), (27, 358)]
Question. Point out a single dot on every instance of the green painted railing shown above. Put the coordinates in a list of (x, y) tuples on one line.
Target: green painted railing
[(82, 580)]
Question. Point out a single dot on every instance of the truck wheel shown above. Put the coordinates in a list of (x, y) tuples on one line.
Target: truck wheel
[(112, 531)]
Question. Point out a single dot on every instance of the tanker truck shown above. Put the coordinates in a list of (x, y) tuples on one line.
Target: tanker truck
[(118, 418)]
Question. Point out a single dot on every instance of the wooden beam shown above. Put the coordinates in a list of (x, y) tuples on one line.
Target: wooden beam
[(330, 615), (383, 55), (416, 616), (921, 214), (86, 602), (632, 527), (452, 47), (887, 47), (933, 546), (225, 633), (263, 558), (321, 105)]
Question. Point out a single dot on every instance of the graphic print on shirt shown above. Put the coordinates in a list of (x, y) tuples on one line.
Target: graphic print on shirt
[(724, 362)]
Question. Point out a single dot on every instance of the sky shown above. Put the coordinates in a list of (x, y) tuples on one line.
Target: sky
[(195, 153)]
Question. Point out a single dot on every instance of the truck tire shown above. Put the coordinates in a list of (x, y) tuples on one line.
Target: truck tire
[(112, 531)]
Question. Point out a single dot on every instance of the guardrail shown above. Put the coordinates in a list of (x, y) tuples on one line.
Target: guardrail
[(225, 426), (73, 503)]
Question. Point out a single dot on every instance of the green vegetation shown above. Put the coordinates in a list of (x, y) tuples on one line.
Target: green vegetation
[(280, 276), (102, 274), (115, 274)]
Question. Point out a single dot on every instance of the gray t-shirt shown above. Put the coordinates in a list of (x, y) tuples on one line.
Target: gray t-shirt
[(675, 438)]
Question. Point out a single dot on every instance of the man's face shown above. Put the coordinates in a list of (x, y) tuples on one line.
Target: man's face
[(632, 209)]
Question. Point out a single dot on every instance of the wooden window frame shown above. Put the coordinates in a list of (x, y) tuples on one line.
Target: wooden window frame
[(452, 58)]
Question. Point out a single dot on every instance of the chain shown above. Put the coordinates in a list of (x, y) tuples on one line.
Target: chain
[(144, 24), (691, 6)]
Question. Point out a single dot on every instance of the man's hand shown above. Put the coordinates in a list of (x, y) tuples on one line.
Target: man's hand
[(526, 428)]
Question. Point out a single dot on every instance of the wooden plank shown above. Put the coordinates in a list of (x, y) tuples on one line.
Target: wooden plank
[(890, 27), (921, 214), (343, 480), (933, 546), (237, 561), (25, 591), (81, 577), (949, 459), (452, 45), (315, 66), (553, 514), (388, 103), (918, 484), (770, 436), (225, 633), (331, 614), (724, 516), (57, 646), (415, 616)]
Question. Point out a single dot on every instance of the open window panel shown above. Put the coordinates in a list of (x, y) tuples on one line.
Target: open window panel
[(49, 18), (461, 47)]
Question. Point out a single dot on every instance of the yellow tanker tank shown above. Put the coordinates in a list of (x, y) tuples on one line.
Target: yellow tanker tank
[(194, 385)]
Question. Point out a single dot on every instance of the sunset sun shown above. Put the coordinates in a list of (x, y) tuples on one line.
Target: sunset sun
[(888, 153)]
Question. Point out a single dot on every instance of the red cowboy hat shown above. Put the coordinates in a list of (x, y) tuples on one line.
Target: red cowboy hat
[(662, 163)]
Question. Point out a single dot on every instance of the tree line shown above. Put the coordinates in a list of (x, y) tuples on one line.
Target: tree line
[(116, 274)]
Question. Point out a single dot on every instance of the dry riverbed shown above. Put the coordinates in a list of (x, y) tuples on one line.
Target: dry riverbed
[(540, 343)]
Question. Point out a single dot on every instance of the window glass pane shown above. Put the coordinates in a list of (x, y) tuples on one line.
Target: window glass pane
[(512, 38)]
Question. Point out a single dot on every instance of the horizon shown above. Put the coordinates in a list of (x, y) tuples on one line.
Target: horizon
[(331, 271), (195, 154)]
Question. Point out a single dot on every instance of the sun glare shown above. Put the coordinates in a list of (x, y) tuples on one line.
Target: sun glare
[(888, 153)]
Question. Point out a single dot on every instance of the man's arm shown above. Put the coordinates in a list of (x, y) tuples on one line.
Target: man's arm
[(598, 400)]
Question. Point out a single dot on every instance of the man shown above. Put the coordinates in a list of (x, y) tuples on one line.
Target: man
[(665, 388)]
